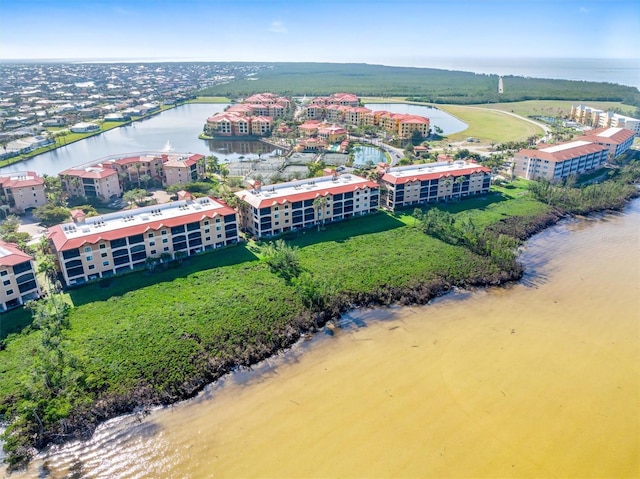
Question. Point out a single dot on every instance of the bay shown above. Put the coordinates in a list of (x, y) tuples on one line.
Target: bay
[(537, 379)]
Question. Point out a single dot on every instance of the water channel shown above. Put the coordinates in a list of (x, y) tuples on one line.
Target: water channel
[(538, 379), (180, 128)]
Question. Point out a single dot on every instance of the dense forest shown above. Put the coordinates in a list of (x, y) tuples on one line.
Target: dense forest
[(424, 84)]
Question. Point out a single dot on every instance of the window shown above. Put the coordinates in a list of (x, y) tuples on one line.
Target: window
[(153, 251), (150, 235), (103, 246), (165, 240), (206, 230), (3, 272), (87, 249), (166, 248), (89, 257), (103, 255), (152, 243), (92, 266), (164, 232), (9, 292), (6, 282), (105, 263)]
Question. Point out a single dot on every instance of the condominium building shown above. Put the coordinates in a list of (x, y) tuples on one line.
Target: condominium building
[(91, 182), (18, 276), (109, 176), (602, 119), (618, 140), (183, 169), (233, 124), (100, 246), (415, 184), (555, 162), (274, 209), (21, 191)]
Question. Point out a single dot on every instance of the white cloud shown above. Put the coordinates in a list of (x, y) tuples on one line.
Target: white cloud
[(277, 27)]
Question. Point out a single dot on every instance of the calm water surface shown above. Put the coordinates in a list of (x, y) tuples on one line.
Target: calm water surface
[(540, 379), (180, 128)]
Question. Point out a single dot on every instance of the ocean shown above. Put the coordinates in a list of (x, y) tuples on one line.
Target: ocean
[(610, 70)]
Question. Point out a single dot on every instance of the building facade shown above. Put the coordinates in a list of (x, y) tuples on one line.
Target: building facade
[(603, 119), (18, 276), (101, 246), (270, 210), (430, 182), (91, 182), (21, 191), (617, 140), (556, 162)]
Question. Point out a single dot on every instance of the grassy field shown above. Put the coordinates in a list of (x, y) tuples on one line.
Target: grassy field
[(209, 99), (554, 108), (490, 126)]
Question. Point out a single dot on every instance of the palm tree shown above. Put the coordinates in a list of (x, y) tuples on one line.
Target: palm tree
[(319, 204), (459, 181)]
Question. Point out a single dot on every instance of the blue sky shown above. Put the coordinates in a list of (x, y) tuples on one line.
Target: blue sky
[(392, 32)]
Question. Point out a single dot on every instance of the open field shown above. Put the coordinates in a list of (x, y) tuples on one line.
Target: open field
[(554, 108), (490, 126), (209, 99)]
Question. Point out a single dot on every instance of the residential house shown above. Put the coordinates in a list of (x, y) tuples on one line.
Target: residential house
[(84, 128), (18, 276), (101, 246), (430, 182), (270, 210)]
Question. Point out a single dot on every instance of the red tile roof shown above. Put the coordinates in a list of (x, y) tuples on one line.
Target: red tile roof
[(20, 180), (609, 136), (10, 255), (263, 202), (63, 243), (91, 172), (400, 180), (562, 155)]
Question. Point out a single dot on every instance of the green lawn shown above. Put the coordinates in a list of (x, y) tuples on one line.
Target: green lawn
[(490, 126), (554, 108), (209, 99)]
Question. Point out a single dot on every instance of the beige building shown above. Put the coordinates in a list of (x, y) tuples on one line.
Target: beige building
[(101, 246), (555, 162), (18, 276), (91, 182), (21, 191), (274, 209), (183, 169), (429, 182), (604, 119), (617, 140)]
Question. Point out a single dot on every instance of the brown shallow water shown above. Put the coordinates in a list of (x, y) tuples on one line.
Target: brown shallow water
[(539, 379)]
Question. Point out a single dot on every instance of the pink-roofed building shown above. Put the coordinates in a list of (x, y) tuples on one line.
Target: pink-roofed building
[(91, 182), (234, 125), (183, 169), (21, 191), (18, 277), (556, 162), (104, 245), (618, 140), (270, 210), (429, 182)]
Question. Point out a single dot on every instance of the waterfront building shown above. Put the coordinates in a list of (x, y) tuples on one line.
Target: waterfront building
[(617, 140), (84, 128), (429, 182), (18, 276), (109, 176), (602, 119), (237, 124), (183, 168), (104, 245), (93, 181), (270, 210), (21, 191), (556, 162)]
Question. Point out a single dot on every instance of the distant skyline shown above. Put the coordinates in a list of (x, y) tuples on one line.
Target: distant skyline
[(389, 32)]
